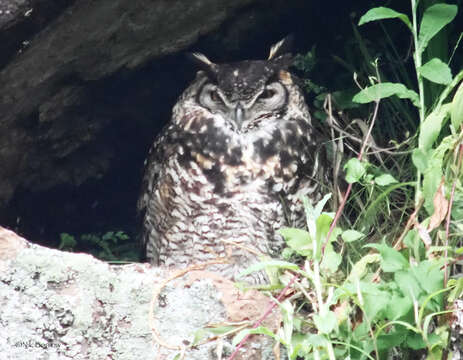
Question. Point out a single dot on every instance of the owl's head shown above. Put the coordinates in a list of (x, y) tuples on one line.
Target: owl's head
[(246, 92)]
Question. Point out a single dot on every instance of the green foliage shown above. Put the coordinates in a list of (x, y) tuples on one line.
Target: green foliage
[(358, 314), (355, 170), (380, 13), (428, 158), (306, 64), (114, 246), (434, 19), (457, 109), (384, 90), (373, 291), (436, 71)]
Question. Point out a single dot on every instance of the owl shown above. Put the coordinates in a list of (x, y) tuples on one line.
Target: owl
[(230, 167)]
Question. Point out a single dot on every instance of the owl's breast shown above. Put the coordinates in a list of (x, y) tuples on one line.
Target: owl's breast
[(270, 155), (189, 213)]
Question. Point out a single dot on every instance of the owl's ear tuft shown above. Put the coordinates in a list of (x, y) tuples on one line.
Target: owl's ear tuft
[(283, 62), (282, 47), (204, 63)]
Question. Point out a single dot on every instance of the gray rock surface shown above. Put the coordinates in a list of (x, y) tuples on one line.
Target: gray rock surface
[(59, 305)]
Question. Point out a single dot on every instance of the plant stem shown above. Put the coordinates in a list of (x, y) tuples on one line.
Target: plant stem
[(349, 187), (262, 318), (418, 60), (449, 211)]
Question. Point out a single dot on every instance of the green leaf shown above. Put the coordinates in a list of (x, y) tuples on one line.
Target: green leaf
[(412, 95), (360, 268), (456, 112), (109, 236), (351, 235), (415, 341), (429, 275), (361, 331), (355, 170), (434, 19), (413, 241), (391, 259), (68, 242), (436, 71), (375, 302), (299, 346), (313, 213), (383, 90), (321, 204), (316, 340), (399, 306), (385, 179), (287, 309), (325, 323), (199, 335), (323, 226), (433, 174), (271, 263), (391, 339), (408, 284), (432, 126), (220, 330), (298, 240), (380, 13), (457, 292), (122, 235), (420, 159), (331, 260), (258, 330)]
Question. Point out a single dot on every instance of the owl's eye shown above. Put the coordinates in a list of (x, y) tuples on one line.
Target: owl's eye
[(267, 94), (215, 96)]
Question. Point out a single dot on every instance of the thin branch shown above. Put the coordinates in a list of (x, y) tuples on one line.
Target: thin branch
[(337, 148), (377, 148), (408, 226)]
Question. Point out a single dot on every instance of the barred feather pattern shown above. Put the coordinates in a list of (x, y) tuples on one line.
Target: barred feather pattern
[(210, 191)]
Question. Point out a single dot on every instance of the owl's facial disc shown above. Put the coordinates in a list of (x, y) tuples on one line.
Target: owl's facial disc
[(244, 112)]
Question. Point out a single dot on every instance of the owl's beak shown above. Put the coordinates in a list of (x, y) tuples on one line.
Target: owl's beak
[(239, 115)]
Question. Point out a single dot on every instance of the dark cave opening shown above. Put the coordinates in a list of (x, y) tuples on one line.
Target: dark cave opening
[(139, 104)]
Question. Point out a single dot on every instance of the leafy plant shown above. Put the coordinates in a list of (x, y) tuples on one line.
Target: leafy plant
[(388, 300), (111, 246), (432, 119), (385, 303)]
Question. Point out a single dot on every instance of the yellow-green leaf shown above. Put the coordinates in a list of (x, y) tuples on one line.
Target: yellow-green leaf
[(380, 13), (355, 170), (436, 71), (432, 126), (434, 19), (383, 90), (351, 235), (456, 113)]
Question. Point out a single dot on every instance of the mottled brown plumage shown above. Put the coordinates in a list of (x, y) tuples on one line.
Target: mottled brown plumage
[(229, 168)]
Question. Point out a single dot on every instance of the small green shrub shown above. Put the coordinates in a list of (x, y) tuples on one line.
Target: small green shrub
[(372, 291), (113, 246), (385, 304)]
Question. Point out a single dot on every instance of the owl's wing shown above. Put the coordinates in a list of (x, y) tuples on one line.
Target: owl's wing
[(163, 147), (151, 181), (152, 170), (312, 184)]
